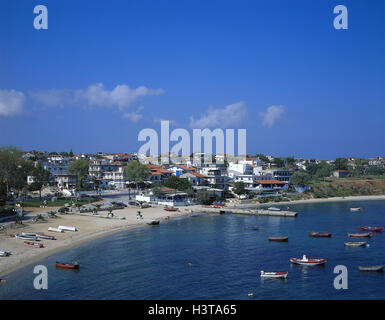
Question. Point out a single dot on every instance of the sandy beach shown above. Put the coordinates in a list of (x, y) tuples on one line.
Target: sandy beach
[(90, 227)]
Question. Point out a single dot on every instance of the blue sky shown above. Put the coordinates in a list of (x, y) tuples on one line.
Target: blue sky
[(104, 70)]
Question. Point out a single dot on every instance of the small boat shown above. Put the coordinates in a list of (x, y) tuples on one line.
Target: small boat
[(65, 265), (45, 236), (153, 222), (33, 244), (320, 235), (308, 262), (274, 209), (4, 253), (279, 239), (274, 274), (371, 268), (55, 230), (374, 229), (356, 244), (28, 234), (355, 209), (251, 228), (66, 228), (25, 237), (171, 209), (360, 235)]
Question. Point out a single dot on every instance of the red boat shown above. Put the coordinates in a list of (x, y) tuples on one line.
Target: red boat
[(320, 235), (33, 244), (375, 229), (307, 262), (171, 209), (65, 265), (360, 235)]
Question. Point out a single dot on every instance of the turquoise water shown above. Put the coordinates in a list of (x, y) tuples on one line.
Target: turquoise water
[(152, 262)]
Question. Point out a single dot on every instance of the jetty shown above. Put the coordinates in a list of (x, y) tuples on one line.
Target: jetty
[(249, 212)]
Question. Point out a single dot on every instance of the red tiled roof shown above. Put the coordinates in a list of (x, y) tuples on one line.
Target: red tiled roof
[(198, 175), (270, 182)]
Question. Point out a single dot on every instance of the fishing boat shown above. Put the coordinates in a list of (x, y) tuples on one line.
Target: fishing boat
[(274, 274), (307, 262), (360, 235), (355, 209), (171, 209), (320, 235), (55, 230), (34, 244), (153, 222), (25, 237), (371, 268), (274, 209), (251, 228), (45, 236), (374, 229), (356, 244), (65, 265), (279, 239), (4, 253)]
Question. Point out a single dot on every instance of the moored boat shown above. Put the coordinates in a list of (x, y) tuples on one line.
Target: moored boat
[(274, 274), (371, 268), (34, 244), (279, 239), (356, 244), (308, 262), (320, 235), (360, 235), (273, 209), (65, 265), (368, 228), (4, 253), (251, 228), (355, 209)]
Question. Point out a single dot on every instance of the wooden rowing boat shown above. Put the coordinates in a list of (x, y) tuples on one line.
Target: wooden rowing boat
[(307, 262), (274, 274), (320, 235), (367, 228), (45, 236), (279, 239), (360, 235), (65, 265), (33, 244), (171, 209), (371, 268), (4, 253), (356, 244)]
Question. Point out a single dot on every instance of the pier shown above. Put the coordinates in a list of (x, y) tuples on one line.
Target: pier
[(249, 212)]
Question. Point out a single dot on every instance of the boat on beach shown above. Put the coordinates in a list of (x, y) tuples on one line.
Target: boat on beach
[(355, 209), (274, 274), (153, 222), (371, 268), (279, 239), (66, 265), (4, 253), (356, 244), (55, 230), (307, 262), (367, 228), (360, 235), (320, 235), (172, 209), (25, 237), (45, 236), (67, 228), (33, 244)]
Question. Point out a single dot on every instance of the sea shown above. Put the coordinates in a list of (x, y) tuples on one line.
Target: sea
[(213, 256)]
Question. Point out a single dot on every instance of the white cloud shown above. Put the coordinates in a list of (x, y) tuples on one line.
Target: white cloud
[(11, 102), (134, 116), (272, 115), (230, 116)]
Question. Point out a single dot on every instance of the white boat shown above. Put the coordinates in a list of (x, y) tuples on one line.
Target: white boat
[(355, 209), (29, 234), (274, 209), (308, 262), (356, 244), (25, 237), (55, 229), (274, 274), (4, 253), (67, 228)]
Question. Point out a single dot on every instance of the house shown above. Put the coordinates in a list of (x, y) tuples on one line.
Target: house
[(195, 178), (340, 173), (109, 171), (66, 181), (270, 185), (158, 173), (377, 161), (179, 170)]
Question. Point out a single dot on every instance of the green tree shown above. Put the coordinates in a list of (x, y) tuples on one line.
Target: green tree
[(341, 164), (239, 188), (41, 178), (157, 191), (300, 179), (80, 169), (177, 183), (137, 172)]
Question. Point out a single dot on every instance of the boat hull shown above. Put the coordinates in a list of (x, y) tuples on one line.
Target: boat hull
[(360, 235), (371, 268), (355, 244), (279, 239), (308, 262), (70, 266), (367, 228), (282, 275), (319, 235)]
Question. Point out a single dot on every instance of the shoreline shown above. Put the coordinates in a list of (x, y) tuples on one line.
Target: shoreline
[(96, 227)]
